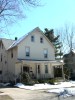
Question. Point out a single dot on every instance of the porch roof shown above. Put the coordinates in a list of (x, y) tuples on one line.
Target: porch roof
[(53, 62)]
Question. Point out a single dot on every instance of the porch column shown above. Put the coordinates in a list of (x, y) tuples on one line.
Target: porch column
[(21, 67), (63, 73), (37, 71)]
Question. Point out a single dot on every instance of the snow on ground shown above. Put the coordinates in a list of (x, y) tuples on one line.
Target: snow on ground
[(47, 86), (65, 92), (63, 89), (4, 84)]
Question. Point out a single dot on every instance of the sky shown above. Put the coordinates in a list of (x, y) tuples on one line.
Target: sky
[(53, 14)]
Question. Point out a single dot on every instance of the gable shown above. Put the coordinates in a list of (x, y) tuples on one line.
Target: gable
[(6, 42), (36, 48), (34, 32)]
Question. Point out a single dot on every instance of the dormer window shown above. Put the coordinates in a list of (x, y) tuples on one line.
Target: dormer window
[(32, 38), (41, 39)]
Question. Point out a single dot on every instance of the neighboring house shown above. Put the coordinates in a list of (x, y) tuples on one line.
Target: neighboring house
[(69, 60), (32, 53)]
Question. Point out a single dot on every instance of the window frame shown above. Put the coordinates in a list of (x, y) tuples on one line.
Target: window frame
[(12, 53), (32, 38), (1, 57), (41, 40), (39, 70), (2, 45), (46, 68), (0, 72), (27, 53), (45, 53)]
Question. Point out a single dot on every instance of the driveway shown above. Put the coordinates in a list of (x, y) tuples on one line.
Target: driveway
[(22, 94)]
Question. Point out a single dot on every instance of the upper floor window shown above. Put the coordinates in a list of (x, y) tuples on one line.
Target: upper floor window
[(45, 53), (11, 53), (2, 45), (32, 38), (27, 51), (41, 39), (0, 72), (46, 68), (1, 57)]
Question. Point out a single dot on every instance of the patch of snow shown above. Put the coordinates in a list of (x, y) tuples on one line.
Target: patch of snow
[(4, 84), (46, 86), (60, 90), (65, 92), (64, 89)]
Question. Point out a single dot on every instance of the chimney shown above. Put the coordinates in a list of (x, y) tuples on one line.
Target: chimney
[(15, 38)]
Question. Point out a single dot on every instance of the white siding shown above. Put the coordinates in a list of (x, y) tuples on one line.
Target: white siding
[(12, 61), (36, 48)]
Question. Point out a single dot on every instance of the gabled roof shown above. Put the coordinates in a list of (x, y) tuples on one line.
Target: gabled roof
[(6, 42), (15, 43), (71, 53)]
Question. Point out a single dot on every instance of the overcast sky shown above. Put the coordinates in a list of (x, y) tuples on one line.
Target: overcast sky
[(53, 14)]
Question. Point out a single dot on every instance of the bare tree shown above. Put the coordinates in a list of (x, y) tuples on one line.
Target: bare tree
[(67, 36), (11, 9)]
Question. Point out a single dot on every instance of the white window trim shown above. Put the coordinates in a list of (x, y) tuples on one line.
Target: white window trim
[(33, 39), (25, 51), (42, 40), (45, 68), (44, 53)]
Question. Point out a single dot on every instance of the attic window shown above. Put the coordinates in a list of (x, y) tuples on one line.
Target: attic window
[(32, 38), (41, 39)]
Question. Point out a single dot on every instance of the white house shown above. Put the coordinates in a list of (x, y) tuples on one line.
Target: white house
[(32, 53)]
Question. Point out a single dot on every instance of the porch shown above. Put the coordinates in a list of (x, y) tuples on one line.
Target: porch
[(38, 69)]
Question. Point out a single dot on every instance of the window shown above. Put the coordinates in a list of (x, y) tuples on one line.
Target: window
[(45, 53), (2, 45), (11, 53), (0, 72), (38, 68), (32, 38), (27, 51), (1, 57), (25, 69), (46, 68), (41, 39)]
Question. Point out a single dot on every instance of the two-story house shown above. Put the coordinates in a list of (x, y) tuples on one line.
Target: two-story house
[(32, 53)]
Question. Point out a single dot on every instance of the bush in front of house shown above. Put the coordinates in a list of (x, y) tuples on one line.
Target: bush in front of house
[(26, 79), (50, 81)]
